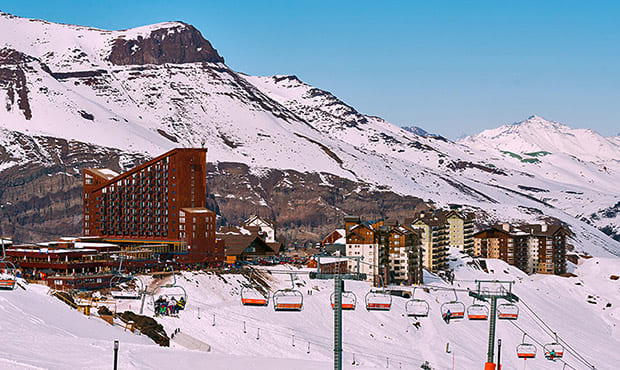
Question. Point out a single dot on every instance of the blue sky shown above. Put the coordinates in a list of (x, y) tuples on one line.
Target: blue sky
[(452, 67)]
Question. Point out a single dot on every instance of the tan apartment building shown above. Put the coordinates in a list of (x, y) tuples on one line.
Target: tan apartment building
[(434, 236), (461, 230)]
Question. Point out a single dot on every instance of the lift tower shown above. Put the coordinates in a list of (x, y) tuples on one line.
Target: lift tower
[(485, 294), (338, 288)]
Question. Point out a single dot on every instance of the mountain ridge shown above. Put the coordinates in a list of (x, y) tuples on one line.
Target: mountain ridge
[(270, 123)]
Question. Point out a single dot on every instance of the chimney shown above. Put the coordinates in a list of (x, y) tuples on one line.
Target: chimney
[(506, 226), (543, 228)]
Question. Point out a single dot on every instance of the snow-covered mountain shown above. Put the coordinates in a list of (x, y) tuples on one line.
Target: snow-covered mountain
[(586, 164), (537, 134), (291, 146)]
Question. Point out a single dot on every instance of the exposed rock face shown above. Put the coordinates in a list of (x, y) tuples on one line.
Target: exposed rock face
[(180, 44), (13, 67), (41, 199), (306, 206)]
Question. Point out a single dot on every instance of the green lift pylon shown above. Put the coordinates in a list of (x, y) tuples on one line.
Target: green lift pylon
[(492, 296), (338, 288)]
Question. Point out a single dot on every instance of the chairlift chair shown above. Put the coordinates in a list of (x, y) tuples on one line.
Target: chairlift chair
[(173, 290), (378, 300), (507, 311), (250, 296), (416, 307), (477, 311), (7, 275), (456, 308), (289, 299), (119, 283), (553, 350), (526, 350), (348, 300)]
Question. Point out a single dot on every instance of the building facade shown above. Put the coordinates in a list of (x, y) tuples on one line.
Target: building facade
[(461, 231), (434, 238), (400, 254), (531, 248), (362, 242), (161, 202)]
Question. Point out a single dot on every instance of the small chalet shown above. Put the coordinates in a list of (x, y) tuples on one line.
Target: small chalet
[(245, 244), (335, 242), (266, 227)]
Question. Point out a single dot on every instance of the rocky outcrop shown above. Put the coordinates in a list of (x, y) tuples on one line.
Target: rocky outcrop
[(306, 205), (181, 43), (41, 197), (13, 70)]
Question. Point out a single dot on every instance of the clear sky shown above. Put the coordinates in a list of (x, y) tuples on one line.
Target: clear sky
[(450, 67)]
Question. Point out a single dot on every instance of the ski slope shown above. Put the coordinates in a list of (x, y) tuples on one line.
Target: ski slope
[(43, 332), (215, 315)]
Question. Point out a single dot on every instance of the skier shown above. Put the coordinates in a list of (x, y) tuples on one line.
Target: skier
[(552, 355), (446, 316)]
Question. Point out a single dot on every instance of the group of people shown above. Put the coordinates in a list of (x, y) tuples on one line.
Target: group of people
[(165, 307)]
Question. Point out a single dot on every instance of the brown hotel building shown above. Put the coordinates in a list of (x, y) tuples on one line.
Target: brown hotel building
[(160, 203)]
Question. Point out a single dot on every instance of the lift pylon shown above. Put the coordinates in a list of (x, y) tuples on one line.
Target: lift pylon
[(503, 291)]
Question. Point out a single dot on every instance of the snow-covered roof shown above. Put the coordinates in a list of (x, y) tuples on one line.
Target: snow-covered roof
[(93, 245)]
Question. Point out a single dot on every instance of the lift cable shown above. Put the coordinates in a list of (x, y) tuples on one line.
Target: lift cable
[(549, 331)]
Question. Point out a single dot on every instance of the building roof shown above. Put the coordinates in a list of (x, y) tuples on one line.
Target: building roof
[(105, 173), (525, 230), (267, 221), (197, 210), (142, 166), (236, 244), (540, 230)]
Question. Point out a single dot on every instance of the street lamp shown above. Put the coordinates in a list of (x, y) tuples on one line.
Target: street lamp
[(115, 354)]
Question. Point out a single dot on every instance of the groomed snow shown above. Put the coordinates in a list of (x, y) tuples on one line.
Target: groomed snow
[(45, 333)]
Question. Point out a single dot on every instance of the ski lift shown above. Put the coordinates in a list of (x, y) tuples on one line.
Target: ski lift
[(120, 285), (526, 350), (250, 296), (553, 350), (477, 311), (7, 272), (456, 308), (289, 299), (378, 299), (348, 300), (171, 291), (416, 307), (507, 311), (7, 275)]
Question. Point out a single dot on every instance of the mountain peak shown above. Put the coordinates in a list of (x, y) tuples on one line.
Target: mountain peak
[(168, 42)]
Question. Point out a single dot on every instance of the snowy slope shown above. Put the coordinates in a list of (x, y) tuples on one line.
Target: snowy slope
[(41, 332), (380, 338), (63, 82), (584, 311)]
